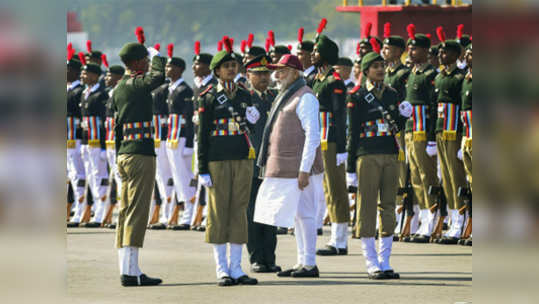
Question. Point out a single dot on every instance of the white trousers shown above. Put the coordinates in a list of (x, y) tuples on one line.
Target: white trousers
[(95, 167), (180, 165), (77, 177), (163, 173), (111, 159)]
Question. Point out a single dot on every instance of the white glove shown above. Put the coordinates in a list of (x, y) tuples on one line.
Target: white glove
[(187, 151), (431, 148), (351, 179), (103, 155), (153, 52), (205, 180), (459, 154), (252, 114), (406, 109), (341, 158)]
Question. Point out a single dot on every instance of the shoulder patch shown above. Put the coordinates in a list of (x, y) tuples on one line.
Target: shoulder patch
[(206, 90)]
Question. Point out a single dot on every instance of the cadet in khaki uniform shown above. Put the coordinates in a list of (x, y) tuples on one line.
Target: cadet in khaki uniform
[(396, 77), (225, 165), (373, 113), (136, 154), (448, 85), (331, 93), (419, 132)]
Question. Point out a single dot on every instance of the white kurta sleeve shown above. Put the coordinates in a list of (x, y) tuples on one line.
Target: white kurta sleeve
[(308, 113)]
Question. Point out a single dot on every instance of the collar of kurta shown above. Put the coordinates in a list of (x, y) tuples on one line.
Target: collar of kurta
[(308, 71), (173, 86)]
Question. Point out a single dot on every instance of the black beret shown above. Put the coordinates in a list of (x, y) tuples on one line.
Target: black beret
[(92, 68), (74, 64), (177, 61), (306, 45), (116, 69), (451, 45), (397, 41), (256, 51), (420, 40), (345, 61), (203, 58), (281, 49)]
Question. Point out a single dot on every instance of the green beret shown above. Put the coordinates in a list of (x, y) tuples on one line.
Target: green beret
[(369, 59), (306, 45), (469, 47), (328, 49), (221, 57), (203, 58), (345, 61), (420, 40), (464, 40), (395, 41), (256, 51), (451, 45), (92, 68), (281, 49), (177, 61), (433, 50), (132, 51), (74, 64), (116, 69), (95, 55)]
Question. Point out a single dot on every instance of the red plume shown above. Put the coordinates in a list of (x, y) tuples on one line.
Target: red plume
[(170, 50), (460, 30), (250, 40), (321, 26), (157, 46), (228, 44), (429, 36), (300, 34), (441, 34), (70, 54), (231, 43), (139, 32), (268, 44), (411, 30), (367, 30), (243, 46), (289, 47), (358, 46), (219, 45), (89, 46), (387, 29), (271, 37), (104, 60), (197, 47), (69, 46), (82, 58), (471, 38), (375, 45)]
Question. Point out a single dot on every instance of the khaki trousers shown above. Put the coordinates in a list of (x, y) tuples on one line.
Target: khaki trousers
[(378, 177), (137, 173), (335, 186), (452, 169), (228, 201), (467, 157), (422, 170)]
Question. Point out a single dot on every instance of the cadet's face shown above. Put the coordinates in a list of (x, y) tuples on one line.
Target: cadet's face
[(316, 59), (141, 65), (357, 70), (418, 54), (343, 70), (172, 71), (305, 58), (112, 79), (228, 70), (391, 53), (447, 57), (259, 80), (91, 78), (200, 69), (469, 58), (83, 75), (376, 71), (365, 49), (275, 57)]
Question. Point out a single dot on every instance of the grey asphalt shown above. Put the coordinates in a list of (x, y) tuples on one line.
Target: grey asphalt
[(430, 273)]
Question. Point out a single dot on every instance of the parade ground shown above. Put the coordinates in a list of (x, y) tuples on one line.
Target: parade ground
[(430, 273)]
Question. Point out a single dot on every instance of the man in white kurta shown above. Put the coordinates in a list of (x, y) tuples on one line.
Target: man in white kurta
[(291, 165)]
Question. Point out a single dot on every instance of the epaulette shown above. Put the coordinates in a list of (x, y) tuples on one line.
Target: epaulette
[(355, 89), (206, 90)]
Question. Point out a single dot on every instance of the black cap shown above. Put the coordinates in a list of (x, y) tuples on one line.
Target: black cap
[(116, 69), (256, 51), (92, 68), (345, 61), (177, 61), (281, 49), (203, 58), (258, 64), (306, 45)]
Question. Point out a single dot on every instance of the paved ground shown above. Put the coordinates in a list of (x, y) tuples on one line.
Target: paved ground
[(429, 273)]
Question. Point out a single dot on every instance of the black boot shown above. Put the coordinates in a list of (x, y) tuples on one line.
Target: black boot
[(141, 280), (306, 273)]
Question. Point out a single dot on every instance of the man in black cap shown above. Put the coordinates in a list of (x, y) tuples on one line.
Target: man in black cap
[(344, 68), (262, 239), (113, 75), (136, 155), (331, 93), (180, 141), (277, 52), (75, 166), (304, 50)]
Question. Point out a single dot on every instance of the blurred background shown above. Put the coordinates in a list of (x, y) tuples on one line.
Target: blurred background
[(32, 111)]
